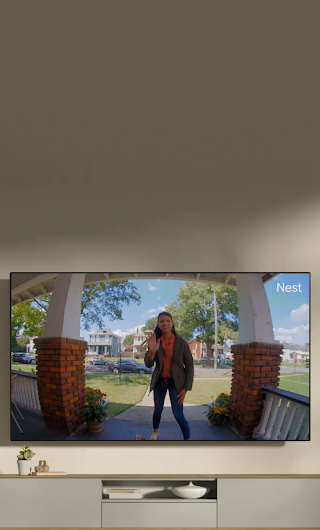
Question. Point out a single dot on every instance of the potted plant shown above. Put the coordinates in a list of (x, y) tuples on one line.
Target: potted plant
[(25, 460), (217, 410), (95, 409)]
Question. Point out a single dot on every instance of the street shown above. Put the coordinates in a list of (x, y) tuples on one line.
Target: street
[(198, 371)]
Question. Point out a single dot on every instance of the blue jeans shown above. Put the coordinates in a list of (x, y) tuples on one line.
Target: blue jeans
[(159, 394)]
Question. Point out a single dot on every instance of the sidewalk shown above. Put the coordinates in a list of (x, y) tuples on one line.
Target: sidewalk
[(138, 420)]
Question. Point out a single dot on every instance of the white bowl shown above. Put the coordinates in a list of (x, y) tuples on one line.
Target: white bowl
[(190, 492)]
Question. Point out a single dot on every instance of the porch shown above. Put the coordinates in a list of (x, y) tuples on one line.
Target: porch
[(124, 427), (285, 416)]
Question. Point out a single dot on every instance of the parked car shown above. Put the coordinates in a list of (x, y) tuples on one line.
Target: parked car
[(24, 358), (99, 360), (130, 365)]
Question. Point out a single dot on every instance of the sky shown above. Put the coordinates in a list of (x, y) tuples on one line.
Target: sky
[(289, 309)]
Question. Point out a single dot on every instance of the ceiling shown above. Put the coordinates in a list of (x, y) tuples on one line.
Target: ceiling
[(27, 286)]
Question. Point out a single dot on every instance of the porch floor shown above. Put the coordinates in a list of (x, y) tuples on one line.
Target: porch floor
[(117, 429)]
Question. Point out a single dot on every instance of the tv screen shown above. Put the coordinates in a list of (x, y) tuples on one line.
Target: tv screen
[(156, 357)]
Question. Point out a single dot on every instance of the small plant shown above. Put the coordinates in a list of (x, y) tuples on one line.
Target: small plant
[(217, 410), (26, 453), (95, 405)]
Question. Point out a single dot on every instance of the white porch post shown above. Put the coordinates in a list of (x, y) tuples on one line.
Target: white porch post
[(255, 323), (63, 319), (61, 358), (257, 356)]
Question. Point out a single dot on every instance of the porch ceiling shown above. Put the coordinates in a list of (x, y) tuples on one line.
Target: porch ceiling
[(27, 286)]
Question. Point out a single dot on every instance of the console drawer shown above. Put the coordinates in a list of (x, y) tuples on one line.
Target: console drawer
[(159, 514)]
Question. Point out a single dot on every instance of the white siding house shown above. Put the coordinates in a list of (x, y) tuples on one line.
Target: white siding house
[(104, 342), (138, 339), (289, 355)]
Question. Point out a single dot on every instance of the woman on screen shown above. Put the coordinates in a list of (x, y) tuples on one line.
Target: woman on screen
[(174, 371)]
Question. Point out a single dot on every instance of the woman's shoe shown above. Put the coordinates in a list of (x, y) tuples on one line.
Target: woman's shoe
[(154, 436)]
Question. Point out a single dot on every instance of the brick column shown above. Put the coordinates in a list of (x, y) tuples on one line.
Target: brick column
[(61, 382), (254, 365)]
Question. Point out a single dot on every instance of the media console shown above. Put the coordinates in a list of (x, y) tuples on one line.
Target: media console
[(80, 501)]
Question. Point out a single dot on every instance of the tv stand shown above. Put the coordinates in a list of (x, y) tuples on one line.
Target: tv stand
[(80, 501)]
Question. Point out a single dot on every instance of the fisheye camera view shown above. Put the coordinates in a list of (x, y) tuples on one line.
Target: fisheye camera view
[(156, 357)]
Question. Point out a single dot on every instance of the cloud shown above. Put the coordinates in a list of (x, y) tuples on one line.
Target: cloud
[(287, 335), (161, 308), (159, 281), (151, 310), (158, 297), (302, 313), (293, 331), (128, 331), (152, 287), (282, 338)]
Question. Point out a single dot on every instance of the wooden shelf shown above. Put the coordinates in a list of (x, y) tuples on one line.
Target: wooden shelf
[(182, 477), (163, 499)]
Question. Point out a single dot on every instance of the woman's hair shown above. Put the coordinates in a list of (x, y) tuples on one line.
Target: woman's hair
[(157, 330)]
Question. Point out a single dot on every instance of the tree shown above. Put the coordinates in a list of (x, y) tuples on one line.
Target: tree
[(150, 324), (128, 340), (99, 300), (19, 344), (26, 317), (193, 313)]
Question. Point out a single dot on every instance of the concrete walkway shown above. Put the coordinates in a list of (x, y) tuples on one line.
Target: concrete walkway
[(139, 417)]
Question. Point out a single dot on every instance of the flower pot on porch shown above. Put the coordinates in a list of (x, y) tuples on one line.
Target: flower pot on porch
[(215, 423), (24, 467), (95, 426)]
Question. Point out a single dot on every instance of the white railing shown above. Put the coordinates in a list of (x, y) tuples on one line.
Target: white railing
[(283, 415), (25, 389)]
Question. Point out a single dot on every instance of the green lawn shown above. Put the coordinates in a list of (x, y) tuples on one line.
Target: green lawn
[(24, 367), (213, 376), (297, 383), (121, 394), (207, 390)]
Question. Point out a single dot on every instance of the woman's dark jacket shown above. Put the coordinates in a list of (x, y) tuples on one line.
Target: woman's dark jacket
[(182, 367)]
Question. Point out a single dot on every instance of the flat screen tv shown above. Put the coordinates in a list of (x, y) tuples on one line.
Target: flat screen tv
[(160, 356)]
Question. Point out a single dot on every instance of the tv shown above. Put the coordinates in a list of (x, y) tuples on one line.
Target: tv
[(160, 356)]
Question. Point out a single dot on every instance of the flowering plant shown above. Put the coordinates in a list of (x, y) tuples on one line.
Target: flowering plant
[(217, 410), (95, 405)]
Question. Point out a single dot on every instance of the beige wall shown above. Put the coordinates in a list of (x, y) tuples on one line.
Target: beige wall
[(292, 250), (213, 117)]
